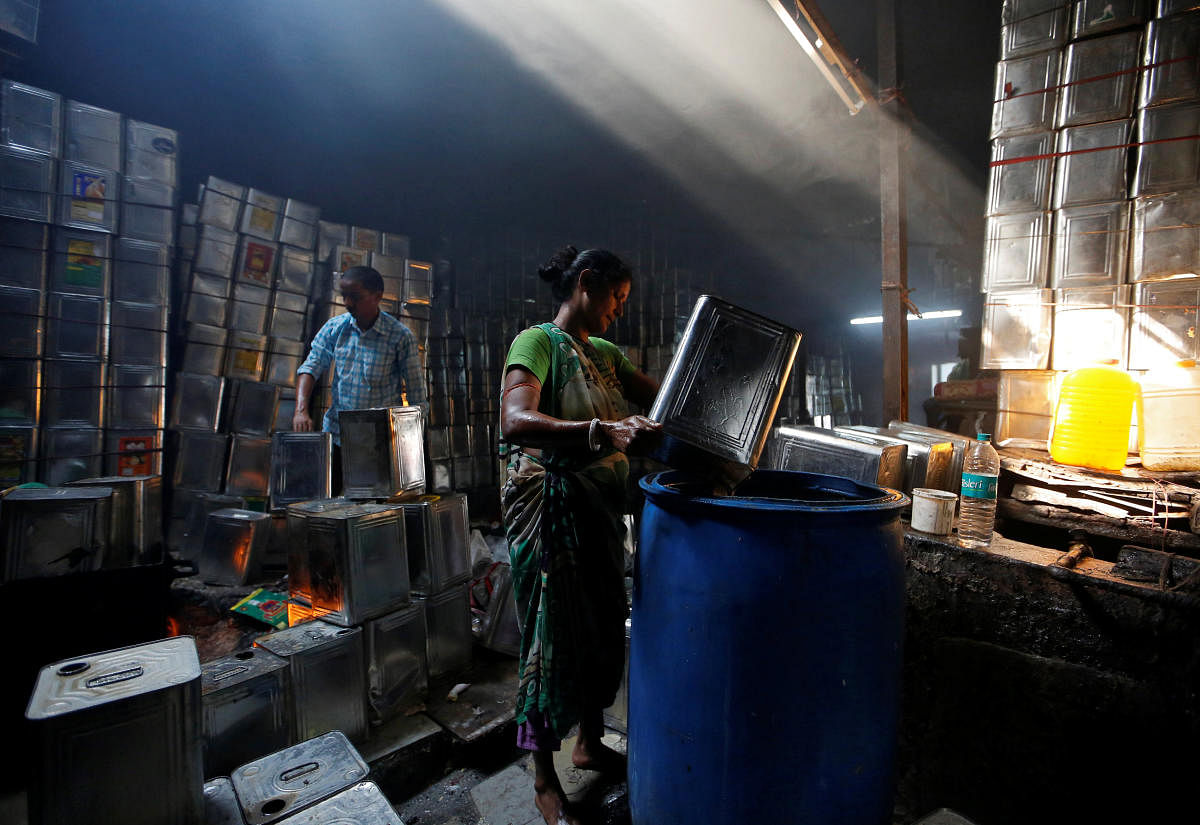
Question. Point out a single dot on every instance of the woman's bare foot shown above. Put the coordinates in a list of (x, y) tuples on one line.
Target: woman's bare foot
[(596, 756), (553, 806)]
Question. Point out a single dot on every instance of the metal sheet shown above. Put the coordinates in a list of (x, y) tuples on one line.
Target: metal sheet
[(1017, 328), (1091, 245), (300, 467)]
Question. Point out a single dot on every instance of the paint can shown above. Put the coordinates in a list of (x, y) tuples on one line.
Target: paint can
[(933, 510)]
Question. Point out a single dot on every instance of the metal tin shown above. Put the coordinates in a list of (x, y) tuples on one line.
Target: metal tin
[(1017, 251), (440, 477), (1025, 408), (418, 282), (73, 394), (89, 197), (1166, 236), (284, 415), (396, 245), (261, 215), (330, 235), (328, 683), (926, 464), (256, 262), (102, 718), (221, 806), (196, 508), (20, 391), (248, 308), (284, 358), (1166, 315), (148, 210), (135, 519), (216, 251), (437, 443), (199, 460), (357, 567), (139, 333), (959, 443), (437, 529), (247, 709), (235, 542), (224, 187), (1091, 323), (205, 283), (69, 454), (1024, 33), (221, 205), (1090, 245), (249, 472), (81, 263), (463, 471), (297, 527), (21, 314), (397, 669), (136, 396), (287, 782), (27, 182), (295, 271), (1088, 173), (207, 310), (23, 253), (204, 350), (722, 389), (93, 135), (299, 225), (252, 407), (54, 531), (363, 804), (285, 324), (300, 467), (246, 355), (383, 452), (448, 624), (1017, 328), (133, 452), (18, 455), (142, 271), (460, 441), (30, 118), (1170, 53), (1168, 159), (1026, 94), (817, 450), (1090, 17), (1020, 179), (392, 270), (196, 402), (151, 152), (367, 239), (343, 257), (289, 301), (1099, 79)]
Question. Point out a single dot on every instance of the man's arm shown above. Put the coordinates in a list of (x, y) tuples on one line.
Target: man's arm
[(414, 374), (319, 358), (301, 419)]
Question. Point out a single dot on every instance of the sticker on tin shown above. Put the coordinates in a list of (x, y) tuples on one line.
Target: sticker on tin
[(366, 239), (352, 257), (245, 360), (262, 219), (259, 258), (164, 146), (12, 457), (85, 265), (132, 458)]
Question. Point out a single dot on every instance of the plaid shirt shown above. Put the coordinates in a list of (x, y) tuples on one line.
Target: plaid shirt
[(369, 368)]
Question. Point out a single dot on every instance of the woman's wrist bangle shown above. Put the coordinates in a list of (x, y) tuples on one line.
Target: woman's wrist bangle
[(594, 435)]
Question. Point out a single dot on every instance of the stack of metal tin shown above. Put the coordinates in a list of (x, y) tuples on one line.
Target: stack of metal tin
[(82, 365), (1083, 263)]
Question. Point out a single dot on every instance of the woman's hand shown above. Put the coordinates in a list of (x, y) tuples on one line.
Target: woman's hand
[(635, 435)]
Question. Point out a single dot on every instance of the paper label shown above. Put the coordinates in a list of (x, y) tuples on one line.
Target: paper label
[(257, 266), (366, 239), (979, 486), (352, 258), (246, 360), (85, 266), (12, 458), (263, 219), (132, 458)]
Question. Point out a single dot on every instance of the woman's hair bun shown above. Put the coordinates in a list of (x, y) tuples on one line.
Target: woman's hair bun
[(558, 264)]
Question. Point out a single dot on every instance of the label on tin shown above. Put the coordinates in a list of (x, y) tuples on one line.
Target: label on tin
[(246, 361), (132, 459), (263, 219), (366, 239), (85, 266), (257, 266), (13, 455), (979, 486)]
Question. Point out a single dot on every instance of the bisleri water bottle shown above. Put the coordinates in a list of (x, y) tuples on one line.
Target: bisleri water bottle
[(977, 502)]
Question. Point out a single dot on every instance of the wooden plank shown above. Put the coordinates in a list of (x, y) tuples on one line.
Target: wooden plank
[(1063, 518)]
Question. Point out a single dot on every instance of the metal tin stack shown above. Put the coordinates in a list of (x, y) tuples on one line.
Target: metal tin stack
[(85, 372)]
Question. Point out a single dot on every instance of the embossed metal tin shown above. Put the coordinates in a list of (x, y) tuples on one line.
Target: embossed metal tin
[(383, 452), (138, 333), (1032, 26), (73, 394), (221, 806), (246, 700), (1166, 316), (721, 391), (284, 358), (362, 804), (141, 271), (23, 253), (287, 782), (1170, 55), (1167, 157), (135, 519), (103, 718), (76, 327), (1091, 245), (249, 471), (300, 467), (1017, 251), (261, 215), (221, 204), (960, 443), (1025, 408), (194, 508), (136, 397), (817, 450), (197, 401), (68, 454), (235, 542), (1019, 180), (397, 669), (926, 464), (448, 625), (151, 152), (295, 270), (418, 282), (216, 251), (200, 460), (357, 565), (92, 135), (54, 531), (253, 408), (1017, 328), (1091, 323), (1166, 236), (1091, 163), (1026, 94), (299, 225), (297, 527), (328, 678), (246, 355), (248, 308), (30, 118), (1099, 79), (148, 210), (438, 534)]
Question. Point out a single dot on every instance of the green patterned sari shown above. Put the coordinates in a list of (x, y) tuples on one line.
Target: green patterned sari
[(563, 511)]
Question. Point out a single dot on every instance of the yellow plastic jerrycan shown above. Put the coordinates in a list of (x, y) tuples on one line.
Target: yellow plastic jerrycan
[(1169, 418), (1092, 417)]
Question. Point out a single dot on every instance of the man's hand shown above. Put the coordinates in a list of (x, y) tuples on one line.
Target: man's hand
[(301, 422)]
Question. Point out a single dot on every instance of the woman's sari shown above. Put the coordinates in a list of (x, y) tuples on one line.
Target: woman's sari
[(563, 511)]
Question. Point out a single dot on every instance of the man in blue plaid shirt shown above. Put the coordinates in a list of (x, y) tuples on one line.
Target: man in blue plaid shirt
[(374, 357)]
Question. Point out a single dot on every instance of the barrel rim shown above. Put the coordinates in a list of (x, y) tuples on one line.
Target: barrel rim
[(657, 488)]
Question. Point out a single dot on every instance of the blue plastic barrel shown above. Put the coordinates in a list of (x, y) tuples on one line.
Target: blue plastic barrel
[(764, 670)]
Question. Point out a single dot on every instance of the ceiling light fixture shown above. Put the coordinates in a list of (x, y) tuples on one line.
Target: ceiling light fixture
[(924, 316)]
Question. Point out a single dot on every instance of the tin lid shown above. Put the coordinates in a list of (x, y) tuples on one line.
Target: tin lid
[(233, 514), (362, 803), (305, 637), (57, 494), (221, 806), (111, 481), (238, 668), (88, 681), (283, 782)]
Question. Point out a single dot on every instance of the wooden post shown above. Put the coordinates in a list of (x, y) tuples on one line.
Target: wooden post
[(893, 218)]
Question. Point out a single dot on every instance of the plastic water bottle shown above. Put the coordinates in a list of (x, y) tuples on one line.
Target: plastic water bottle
[(977, 502)]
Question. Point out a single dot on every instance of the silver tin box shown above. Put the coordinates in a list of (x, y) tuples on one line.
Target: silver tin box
[(76, 327), (1019, 180), (1091, 323), (81, 262), (448, 623), (295, 271), (221, 806), (136, 397), (817, 450), (27, 184), (1167, 157), (397, 669), (959, 442), (1016, 251), (283, 359), (221, 204), (148, 210), (1170, 53), (204, 349), (21, 315), (93, 135), (1091, 245), (418, 282), (396, 245), (135, 519), (1099, 79), (1166, 315), (357, 567), (1017, 328), (363, 804), (54, 531), (1091, 163), (300, 467), (73, 394), (722, 389), (1025, 408), (141, 271), (30, 118), (926, 465), (328, 683), (1032, 26), (297, 528), (194, 508), (261, 215), (20, 391), (299, 225), (133, 452), (100, 719), (246, 697), (249, 471), (288, 781), (383, 452), (138, 333), (199, 460), (1166, 236), (256, 261), (197, 401), (69, 454), (437, 529), (216, 251), (18, 455), (151, 152), (23, 253), (235, 542), (253, 407), (363, 238), (245, 355), (1026, 94)]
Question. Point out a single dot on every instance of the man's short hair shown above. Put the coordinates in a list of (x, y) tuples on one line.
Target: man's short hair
[(366, 277)]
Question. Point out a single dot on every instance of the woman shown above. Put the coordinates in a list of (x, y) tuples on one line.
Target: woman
[(564, 413)]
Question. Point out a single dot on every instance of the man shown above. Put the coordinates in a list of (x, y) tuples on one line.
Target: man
[(374, 359)]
